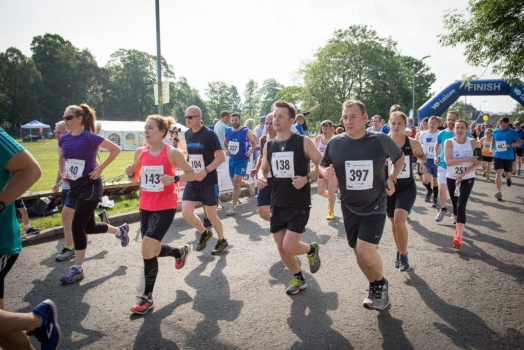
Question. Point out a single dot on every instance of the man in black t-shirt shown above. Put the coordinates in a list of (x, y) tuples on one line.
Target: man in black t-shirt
[(287, 158), (204, 155)]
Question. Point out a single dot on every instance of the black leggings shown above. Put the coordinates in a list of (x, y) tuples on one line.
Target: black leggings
[(460, 202), (6, 262), (84, 223)]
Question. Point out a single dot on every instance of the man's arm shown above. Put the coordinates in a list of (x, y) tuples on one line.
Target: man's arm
[(26, 172), (252, 142)]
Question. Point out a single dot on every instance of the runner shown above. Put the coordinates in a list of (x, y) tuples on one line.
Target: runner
[(154, 165), (322, 142), (18, 172), (486, 144), (205, 155), (79, 148), (519, 150), (427, 140), (264, 194), (235, 142), (399, 204), (68, 204), (20, 206), (357, 160), (440, 162), (459, 155), (423, 127), (287, 158), (504, 141)]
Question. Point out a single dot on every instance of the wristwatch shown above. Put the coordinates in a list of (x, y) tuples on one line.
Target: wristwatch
[(308, 178), (177, 178), (207, 170), (2, 206)]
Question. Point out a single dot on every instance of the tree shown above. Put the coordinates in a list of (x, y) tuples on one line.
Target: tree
[(133, 74), (236, 100), (466, 111), (291, 94), (518, 113), (20, 83), (492, 34), (251, 99), (219, 96), (183, 96), (268, 91)]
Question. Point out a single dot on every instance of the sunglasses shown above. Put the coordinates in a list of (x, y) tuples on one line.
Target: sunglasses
[(191, 116), (69, 117)]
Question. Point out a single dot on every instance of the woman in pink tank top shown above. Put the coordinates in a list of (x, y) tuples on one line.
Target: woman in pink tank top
[(154, 166)]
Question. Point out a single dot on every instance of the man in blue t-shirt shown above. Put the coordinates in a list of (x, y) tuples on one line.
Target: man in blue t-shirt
[(503, 142), (519, 150)]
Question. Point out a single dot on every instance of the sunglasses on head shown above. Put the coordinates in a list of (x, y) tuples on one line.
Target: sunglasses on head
[(191, 116), (69, 117)]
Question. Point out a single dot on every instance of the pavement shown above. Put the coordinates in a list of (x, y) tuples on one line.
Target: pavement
[(471, 298)]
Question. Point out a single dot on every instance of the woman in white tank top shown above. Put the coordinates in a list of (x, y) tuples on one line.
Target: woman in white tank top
[(459, 153), (323, 139)]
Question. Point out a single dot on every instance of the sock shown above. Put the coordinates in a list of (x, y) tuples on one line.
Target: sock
[(428, 187), (435, 192), (28, 226), (78, 267), (166, 250), (299, 275), (444, 209), (150, 273), (372, 284), (381, 282), (70, 247), (311, 249)]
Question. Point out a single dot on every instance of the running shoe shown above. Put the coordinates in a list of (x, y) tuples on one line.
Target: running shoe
[(207, 223), (123, 234), (485, 173), (368, 301), (314, 258), (65, 254), (381, 297), (252, 189), (143, 305), (104, 217), (220, 247), (397, 260), (514, 172), (330, 215), (296, 285), (509, 182), (453, 219), (75, 274), (457, 242), (204, 237), (435, 204), (503, 175), (404, 263), (48, 333), (32, 231), (231, 211), (180, 262), (518, 172), (427, 197), (440, 215), (498, 195)]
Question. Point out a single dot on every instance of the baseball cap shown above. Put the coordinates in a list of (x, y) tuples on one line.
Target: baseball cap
[(262, 119)]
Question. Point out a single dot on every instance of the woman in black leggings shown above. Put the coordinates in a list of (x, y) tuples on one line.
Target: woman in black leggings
[(459, 153)]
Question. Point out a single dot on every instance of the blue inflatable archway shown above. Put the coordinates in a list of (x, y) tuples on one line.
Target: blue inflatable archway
[(489, 87)]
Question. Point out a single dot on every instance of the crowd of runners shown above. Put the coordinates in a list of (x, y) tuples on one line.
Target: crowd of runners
[(370, 163)]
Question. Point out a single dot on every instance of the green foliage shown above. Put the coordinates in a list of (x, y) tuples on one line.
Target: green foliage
[(492, 34), (220, 98), (183, 96), (270, 88), (251, 99), (236, 100), (466, 111), (291, 94), (518, 113)]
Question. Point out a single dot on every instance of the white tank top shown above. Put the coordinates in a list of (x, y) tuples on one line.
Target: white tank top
[(461, 151), (321, 145)]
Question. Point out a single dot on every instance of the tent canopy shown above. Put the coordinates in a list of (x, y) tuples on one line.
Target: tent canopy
[(35, 124)]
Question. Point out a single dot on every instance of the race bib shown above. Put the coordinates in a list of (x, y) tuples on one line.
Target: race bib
[(359, 174), (150, 178), (461, 168), (501, 146), (430, 149), (233, 147), (487, 146), (282, 165), (75, 168), (404, 174), (196, 161)]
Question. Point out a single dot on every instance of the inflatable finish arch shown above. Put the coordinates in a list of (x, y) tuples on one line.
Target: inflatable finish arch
[(491, 87)]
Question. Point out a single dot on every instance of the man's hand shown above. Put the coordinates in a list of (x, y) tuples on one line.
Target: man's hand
[(261, 183), (200, 175), (390, 187), (329, 172)]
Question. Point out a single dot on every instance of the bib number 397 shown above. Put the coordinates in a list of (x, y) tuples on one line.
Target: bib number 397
[(150, 178), (359, 174)]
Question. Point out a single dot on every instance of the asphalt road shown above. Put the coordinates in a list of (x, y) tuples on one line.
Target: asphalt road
[(472, 298)]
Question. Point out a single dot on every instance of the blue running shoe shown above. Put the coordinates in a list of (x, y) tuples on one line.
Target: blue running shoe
[(509, 182), (123, 234), (48, 333), (75, 274)]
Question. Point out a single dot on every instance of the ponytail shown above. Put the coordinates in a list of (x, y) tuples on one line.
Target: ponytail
[(87, 113)]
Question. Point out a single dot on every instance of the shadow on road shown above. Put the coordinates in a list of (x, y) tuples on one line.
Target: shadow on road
[(392, 332)]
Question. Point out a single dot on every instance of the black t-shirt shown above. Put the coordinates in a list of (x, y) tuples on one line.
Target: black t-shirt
[(204, 142)]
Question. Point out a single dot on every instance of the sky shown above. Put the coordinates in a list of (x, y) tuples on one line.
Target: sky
[(237, 40)]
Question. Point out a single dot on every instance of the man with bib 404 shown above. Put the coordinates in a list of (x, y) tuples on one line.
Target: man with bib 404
[(357, 159), (236, 138), (287, 157)]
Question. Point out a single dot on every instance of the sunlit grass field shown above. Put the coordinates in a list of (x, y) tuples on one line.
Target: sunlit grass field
[(46, 155)]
